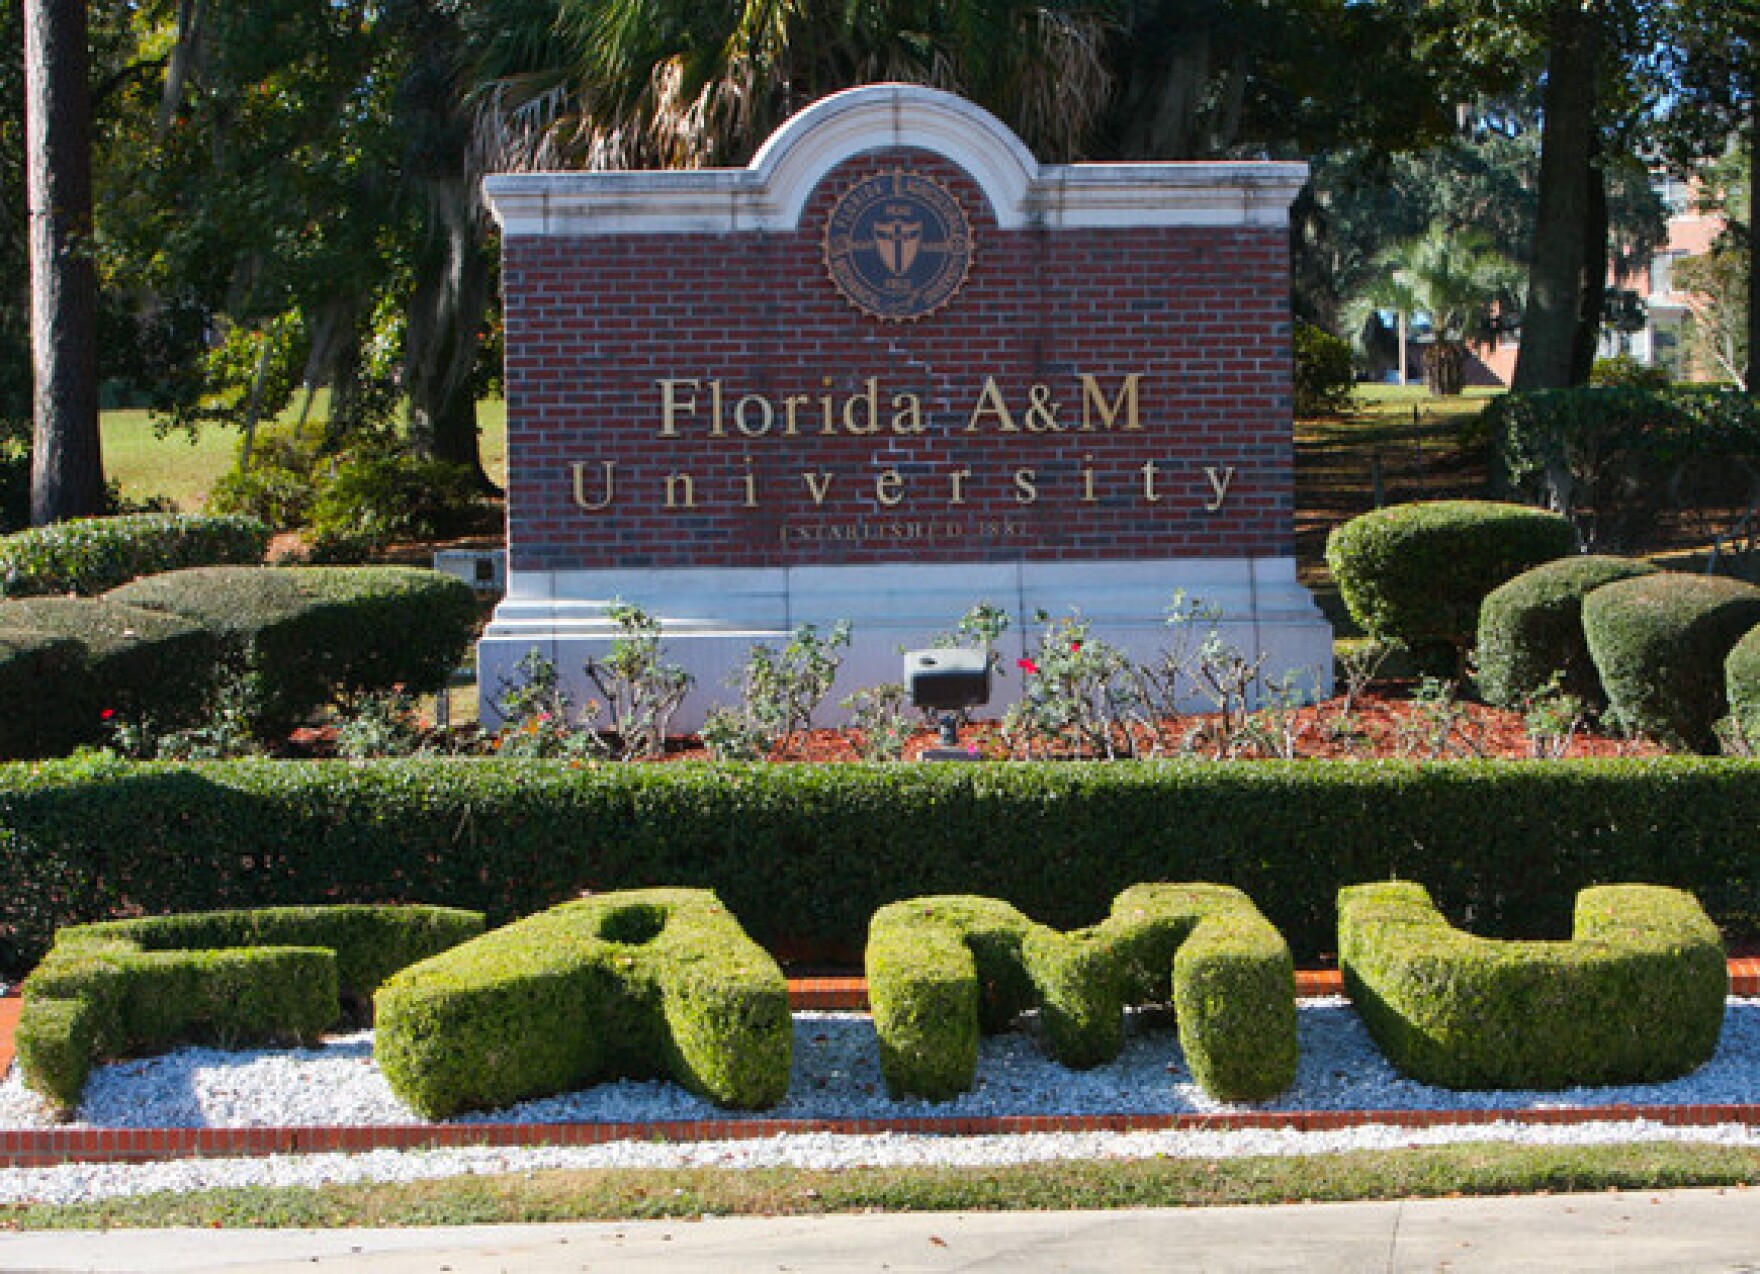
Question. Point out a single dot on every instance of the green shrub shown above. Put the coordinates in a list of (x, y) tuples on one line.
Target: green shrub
[(1636, 995), (942, 969), (1325, 373), (377, 497), (303, 635), (39, 673), (1416, 573), (91, 555), (1615, 459), (1742, 684), (656, 982), (1532, 628), (1659, 644), (805, 855), (129, 987), (134, 665)]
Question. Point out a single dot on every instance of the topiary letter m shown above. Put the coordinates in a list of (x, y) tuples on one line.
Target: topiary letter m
[(943, 969)]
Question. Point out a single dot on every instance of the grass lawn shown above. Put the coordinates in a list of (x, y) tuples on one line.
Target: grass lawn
[(1445, 1171), (186, 469)]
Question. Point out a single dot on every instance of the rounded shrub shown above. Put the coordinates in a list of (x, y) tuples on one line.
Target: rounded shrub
[(1742, 686), (136, 664), (1532, 627), (304, 634), (37, 670), (93, 555), (1659, 644), (1416, 573)]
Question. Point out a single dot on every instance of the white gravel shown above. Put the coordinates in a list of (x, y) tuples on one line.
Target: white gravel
[(836, 1075)]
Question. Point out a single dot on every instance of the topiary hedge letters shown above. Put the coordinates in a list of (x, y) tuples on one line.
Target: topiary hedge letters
[(659, 981), (1636, 995), (943, 969), (130, 987)]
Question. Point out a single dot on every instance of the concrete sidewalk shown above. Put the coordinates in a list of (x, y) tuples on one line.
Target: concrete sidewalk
[(1678, 1230)]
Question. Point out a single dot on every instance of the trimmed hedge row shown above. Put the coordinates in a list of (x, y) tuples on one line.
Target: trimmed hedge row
[(1660, 643), (1532, 627), (302, 634), (637, 984), (90, 555), (1636, 995), (35, 667), (942, 969), (1417, 573), (129, 987), (805, 855), (130, 662)]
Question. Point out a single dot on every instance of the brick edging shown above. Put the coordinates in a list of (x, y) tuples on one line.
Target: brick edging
[(25, 1148)]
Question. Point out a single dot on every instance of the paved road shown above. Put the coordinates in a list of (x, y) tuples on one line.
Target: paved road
[(1658, 1233)]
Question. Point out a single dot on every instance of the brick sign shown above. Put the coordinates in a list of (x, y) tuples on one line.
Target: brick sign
[(747, 398)]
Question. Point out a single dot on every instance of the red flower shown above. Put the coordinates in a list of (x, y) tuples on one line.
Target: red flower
[(106, 714), (1076, 647), (1027, 666)]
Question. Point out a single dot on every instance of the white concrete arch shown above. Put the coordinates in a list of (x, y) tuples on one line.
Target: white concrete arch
[(769, 194), (811, 143)]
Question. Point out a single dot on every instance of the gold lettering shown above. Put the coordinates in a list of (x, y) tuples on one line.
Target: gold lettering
[(869, 399), (825, 407), (818, 485), (1148, 471), (992, 403), (907, 414), (1087, 480), (1220, 478), (955, 494), (716, 429), (766, 418), (788, 411), (678, 484), (672, 406), (751, 484), (580, 494), (1026, 486), (1123, 403), (888, 487), (1042, 411)]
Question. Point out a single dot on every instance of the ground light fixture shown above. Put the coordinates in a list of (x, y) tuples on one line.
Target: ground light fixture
[(947, 682)]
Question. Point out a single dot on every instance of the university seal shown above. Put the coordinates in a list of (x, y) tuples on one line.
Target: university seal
[(897, 245)]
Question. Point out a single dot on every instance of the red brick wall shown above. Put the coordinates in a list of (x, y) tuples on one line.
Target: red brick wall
[(593, 322)]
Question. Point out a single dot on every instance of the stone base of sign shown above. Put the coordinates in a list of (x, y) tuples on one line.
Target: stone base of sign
[(712, 617)]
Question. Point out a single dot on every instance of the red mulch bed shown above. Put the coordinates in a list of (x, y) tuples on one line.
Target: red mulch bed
[(1378, 726)]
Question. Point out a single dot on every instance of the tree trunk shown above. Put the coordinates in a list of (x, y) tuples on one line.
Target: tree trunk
[(1550, 320), (1754, 242), (445, 312), (67, 474), (1595, 260)]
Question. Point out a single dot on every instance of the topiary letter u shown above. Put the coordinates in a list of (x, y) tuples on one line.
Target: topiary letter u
[(1636, 995), (943, 969), (645, 983)]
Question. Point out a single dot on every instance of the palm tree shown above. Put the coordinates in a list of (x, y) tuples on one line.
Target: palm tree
[(683, 84), (1453, 281)]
